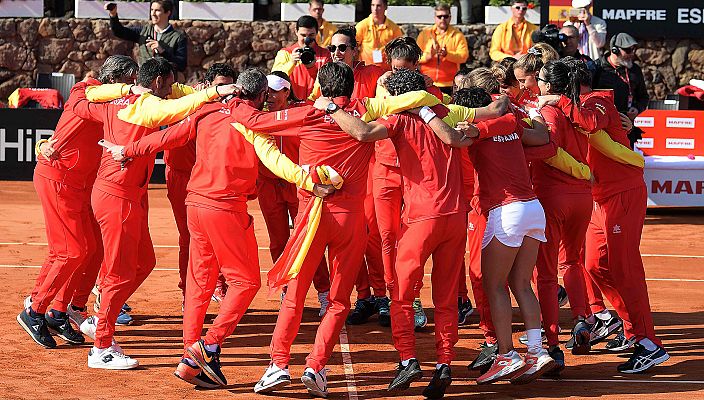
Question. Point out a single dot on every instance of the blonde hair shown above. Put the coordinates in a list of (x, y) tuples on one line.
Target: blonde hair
[(537, 56), (483, 78)]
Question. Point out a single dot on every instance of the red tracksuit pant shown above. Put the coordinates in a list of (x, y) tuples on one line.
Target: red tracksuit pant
[(344, 236), (176, 182), (444, 239), (567, 217), (371, 275), (222, 242), (128, 256), (614, 262), (476, 225)]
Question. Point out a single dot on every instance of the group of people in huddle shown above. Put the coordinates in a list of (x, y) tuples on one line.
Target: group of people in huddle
[(523, 165)]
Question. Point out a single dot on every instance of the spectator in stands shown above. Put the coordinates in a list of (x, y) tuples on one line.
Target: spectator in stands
[(374, 32), (444, 49), (288, 59), (512, 38), (616, 70), (158, 38), (325, 28), (592, 30)]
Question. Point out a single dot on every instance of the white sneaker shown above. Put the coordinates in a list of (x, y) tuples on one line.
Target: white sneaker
[(89, 326), (110, 358), (27, 302), (316, 382), (274, 378), (323, 299)]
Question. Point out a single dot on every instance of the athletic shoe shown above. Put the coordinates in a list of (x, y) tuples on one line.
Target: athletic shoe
[(620, 343), (193, 375), (36, 327), (570, 343), (96, 304), (218, 295), (442, 378), (209, 361), (643, 359), (274, 378), (562, 298), (536, 365), (323, 300), (316, 382), (485, 358), (27, 302), (383, 308), (110, 358), (502, 368), (89, 326), (77, 315), (559, 357), (464, 310), (603, 329), (123, 318), (420, 320), (406, 375), (524, 338), (363, 309), (581, 338), (126, 308), (60, 324)]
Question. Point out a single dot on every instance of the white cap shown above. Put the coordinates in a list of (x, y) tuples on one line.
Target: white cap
[(277, 83), (581, 3)]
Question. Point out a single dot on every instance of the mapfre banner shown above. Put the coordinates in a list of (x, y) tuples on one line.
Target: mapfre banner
[(653, 18), (671, 132)]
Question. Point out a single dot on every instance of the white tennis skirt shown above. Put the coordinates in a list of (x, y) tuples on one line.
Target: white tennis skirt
[(511, 222)]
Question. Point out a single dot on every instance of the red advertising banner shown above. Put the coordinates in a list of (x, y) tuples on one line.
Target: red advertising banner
[(671, 132)]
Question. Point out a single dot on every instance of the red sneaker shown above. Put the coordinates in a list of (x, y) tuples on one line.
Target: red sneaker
[(537, 364), (503, 368)]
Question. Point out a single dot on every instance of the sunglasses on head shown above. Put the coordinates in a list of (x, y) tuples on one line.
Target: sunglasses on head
[(341, 47), (521, 8), (443, 16)]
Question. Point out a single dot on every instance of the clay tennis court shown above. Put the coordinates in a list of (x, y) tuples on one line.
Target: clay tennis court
[(361, 368)]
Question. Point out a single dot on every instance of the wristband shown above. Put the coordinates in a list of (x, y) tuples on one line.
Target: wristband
[(534, 113), (426, 114)]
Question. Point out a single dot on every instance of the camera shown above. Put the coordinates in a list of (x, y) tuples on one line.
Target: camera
[(307, 52), (550, 34)]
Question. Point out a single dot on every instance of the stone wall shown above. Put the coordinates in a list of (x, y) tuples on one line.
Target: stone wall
[(78, 46)]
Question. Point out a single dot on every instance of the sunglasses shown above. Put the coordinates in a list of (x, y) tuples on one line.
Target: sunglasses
[(443, 16), (342, 48), (628, 50), (521, 8)]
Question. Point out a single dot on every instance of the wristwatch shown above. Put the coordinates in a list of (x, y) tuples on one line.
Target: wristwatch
[(331, 108)]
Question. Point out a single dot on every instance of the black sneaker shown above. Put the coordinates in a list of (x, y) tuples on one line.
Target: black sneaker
[(620, 343), (383, 308), (485, 358), (36, 327), (209, 361), (562, 298), (559, 357), (570, 343), (643, 359), (59, 323), (581, 338), (442, 378), (464, 310), (363, 309), (406, 375), (603, 329)]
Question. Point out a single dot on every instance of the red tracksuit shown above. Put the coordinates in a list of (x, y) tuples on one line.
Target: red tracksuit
[(63, 187), (434, 223), (342, 228), (567, 203), (613, 237)]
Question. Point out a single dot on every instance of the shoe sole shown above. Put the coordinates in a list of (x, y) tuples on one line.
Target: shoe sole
[(507, 376), (204, 366), (29, 332), (439, 391), (117, 368), (196, 382), (407, 383), (582, 345), (312, 387), (278, 384), (555, 371), (621, 348), (525, 379), (652, 364), (123, 324)]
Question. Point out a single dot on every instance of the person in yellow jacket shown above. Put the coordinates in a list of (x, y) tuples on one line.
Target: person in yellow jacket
[(374, 32), (512, 38), (444, 49), (325, 28)]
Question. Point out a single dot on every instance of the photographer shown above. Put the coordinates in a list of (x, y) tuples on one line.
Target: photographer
[(591, 29), (301, 60), (158, 38)]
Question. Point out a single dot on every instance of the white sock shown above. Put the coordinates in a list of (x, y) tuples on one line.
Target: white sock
[(438, 366), (603, 315), (406, 362), (648, 344), (535, 341)]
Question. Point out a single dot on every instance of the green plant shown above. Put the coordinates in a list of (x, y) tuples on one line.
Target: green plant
[(499, 3)]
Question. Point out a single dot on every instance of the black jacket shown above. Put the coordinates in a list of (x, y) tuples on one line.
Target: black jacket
[(608, 77), (172, 41)]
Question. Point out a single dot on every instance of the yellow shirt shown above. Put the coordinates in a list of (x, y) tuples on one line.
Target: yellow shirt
[(506, 40), (442, 72), (372, 37), (325, 32)]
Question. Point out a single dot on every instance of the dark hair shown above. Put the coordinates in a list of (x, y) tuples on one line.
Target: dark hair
[(442, 6), (253, 82), (463, 71), (350, 32), (219, 69), (403, 48), (473, 97), (336, 79), (117, 67), (481, 77), (315, 1), (306, 21), (569, 77), (503, 72), (404, 81), (167, 5), (513, 2), (281, 74), (386, 2), (151, 69)]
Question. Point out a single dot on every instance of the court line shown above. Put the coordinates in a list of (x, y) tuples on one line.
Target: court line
[(347, 361)]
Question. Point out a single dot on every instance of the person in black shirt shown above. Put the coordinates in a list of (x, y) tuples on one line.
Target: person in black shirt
[(570, 48)]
